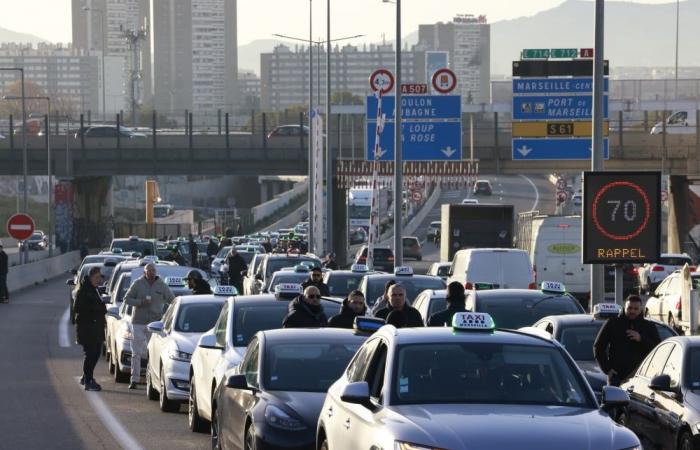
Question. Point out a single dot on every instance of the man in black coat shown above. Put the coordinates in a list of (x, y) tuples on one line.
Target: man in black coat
[(455, 304), (236, 265), (397, 302), (306, 311), (353, 306), (90, 325), (194, 251), (4, 268), (623, 342), (316, 279), (197, 283)]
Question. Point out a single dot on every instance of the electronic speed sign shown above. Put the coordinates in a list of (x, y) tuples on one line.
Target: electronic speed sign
[(621, 217)]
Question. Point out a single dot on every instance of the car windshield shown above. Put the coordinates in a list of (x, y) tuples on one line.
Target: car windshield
[(443, 271), (674, 261), (414, 285), (287, 366), (341, 284), (123, 287), (517, 312), (247, 256), (133, 245), (465, 372), (223, 252), (275, 264), (197, 317), (36, 237), (578, 340)]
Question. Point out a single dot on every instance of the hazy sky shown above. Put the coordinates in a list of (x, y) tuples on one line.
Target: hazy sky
[(259, 19)]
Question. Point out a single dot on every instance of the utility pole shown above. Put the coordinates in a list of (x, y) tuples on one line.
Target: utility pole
[(398, 156), (329, 153), (134, 38)]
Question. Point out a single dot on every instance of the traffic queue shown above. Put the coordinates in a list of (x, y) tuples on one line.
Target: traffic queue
[(285, 352)]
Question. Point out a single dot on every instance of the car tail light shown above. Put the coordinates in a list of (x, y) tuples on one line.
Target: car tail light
[(362, 259), (632, 271), (468, 286), (532, 286), (692, 268), (390, 258), (678, 304), (659, 269)]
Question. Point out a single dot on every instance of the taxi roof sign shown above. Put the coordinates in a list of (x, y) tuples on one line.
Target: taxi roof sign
[(472, 321), (225, 290), (403, 270), (553, 286), (606, 310), (174, 281), (367, 324), (359, 268), (289, 288)]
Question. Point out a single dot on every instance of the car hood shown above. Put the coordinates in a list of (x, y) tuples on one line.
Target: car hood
[(186, 342), (471, 427), (306, 405), (595, 377)]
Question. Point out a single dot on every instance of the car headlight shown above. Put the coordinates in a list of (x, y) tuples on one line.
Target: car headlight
[(175, 354), (277, 418), (399, 445)]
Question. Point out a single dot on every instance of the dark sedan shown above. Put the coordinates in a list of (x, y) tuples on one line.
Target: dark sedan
[(272, 400)]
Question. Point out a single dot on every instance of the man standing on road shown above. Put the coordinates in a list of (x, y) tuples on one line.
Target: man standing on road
[(623, 342), (149, 295), (330, 262), (316, 279), (197, 283), (4, 268), (194, 257), (397, 302), (306, 311), (236, 266), (90, 325), (382, 301), (455, 304), (353, 306)]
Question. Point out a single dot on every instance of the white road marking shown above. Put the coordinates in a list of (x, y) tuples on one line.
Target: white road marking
[(537, 193), (110, 421), (63, 336)]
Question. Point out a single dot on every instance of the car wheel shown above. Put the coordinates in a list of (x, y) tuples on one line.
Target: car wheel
[(215, 440), (324, 444), (151, 392), (119, 376), (250, 438), (166, 405), (196, 423)]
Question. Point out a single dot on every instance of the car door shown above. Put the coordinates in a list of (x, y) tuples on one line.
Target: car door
[(239, 401), (158, 342), (669, 405), (653, 304)]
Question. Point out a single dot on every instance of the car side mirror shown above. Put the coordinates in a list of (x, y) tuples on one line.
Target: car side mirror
[(357, 393), (70, 282), (237, 382), (614, 397), (113, 311), (661, 383), (155, 327), (209, 341)]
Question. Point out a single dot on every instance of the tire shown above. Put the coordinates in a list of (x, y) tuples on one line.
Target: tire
[(214, 433), (119, 376), (250, 441), (685, 441), (166, 405), (195, 422), (151, 392)]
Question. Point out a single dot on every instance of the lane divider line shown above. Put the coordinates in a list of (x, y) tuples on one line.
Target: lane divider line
[(63, 335), (110, 421), (537, 193)]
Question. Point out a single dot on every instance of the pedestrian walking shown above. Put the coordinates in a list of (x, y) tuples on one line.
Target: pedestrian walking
[(89, 311), (4, 269), (149, 295), (197, 283), (397, 302), (236, 267), (383, 300), (306, 311), (353, 306), (316, 279), (194, 251), (624, 341), (455, 303)]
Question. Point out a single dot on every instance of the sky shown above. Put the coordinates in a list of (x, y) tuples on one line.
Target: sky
[(259, 19)]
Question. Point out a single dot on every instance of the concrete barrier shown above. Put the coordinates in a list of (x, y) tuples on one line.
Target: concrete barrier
[(268, 208), (20, 277)]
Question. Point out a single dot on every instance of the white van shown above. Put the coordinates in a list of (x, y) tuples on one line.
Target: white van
[(556, 252), (679, 122), (505, 268)]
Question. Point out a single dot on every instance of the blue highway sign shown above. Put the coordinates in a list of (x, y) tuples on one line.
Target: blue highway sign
[(555, 107), (581, 85), (422, 141), (417, 107), (555, 148)]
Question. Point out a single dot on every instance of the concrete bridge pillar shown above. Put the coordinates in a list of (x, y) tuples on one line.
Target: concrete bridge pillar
[(340, 224), (678, 208), (93, 213)]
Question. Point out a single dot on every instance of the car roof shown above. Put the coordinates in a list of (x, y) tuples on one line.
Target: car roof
[(437, 335), (674, 255), (685, 341), (520, 293), (315, 335), (572, 319), (244, 300), (206, 298), (391, 276)]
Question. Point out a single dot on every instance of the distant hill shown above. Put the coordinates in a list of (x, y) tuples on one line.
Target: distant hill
[(13, 36), (636, 34)]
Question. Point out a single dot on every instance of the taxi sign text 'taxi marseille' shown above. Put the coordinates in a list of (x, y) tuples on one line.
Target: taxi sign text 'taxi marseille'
[(621, 217)]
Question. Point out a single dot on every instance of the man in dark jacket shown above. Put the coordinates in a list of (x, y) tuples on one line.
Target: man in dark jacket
[(236, 265), (176, 256), (329, 262), (196, 282), (455, 304), (623, 342), (307, 311), (397, 302), (90, 325), (212, 248), (353, 306), (194, 250), (226, 240), (4, 268), (382, 301), (316, 279)]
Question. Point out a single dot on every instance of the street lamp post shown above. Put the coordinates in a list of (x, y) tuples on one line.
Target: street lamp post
[(678, 10), (104, 50), (329, 154), (24, 147)]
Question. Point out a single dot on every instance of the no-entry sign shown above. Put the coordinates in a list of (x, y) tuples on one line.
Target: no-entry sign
[(20, 226)]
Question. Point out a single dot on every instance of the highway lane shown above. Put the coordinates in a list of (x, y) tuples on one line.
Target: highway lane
[(525, 193)]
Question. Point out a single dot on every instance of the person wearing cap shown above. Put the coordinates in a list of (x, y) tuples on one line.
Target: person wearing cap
[(197, 283), (397, 302), (306, 311), (236, 267), (624, 341), (149, 295), (316, 279), (382, 301), (4, 268), (194, 251), (330, 262), (455, 303), (90, 324), (353, 306)]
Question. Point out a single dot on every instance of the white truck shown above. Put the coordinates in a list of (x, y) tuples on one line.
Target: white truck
[(359, 206)]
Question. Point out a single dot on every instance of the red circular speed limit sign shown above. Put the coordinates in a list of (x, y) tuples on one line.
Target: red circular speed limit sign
[(627, 208), (444, 80), (20, 226), (416, 196), (381, 80)]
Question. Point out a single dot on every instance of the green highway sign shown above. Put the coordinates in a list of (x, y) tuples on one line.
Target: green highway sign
[(564, 53), (535, 53)]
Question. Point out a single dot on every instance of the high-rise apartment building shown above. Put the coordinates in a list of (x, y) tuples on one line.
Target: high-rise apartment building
[(195, 55)]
